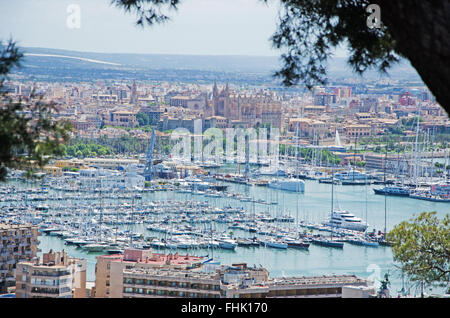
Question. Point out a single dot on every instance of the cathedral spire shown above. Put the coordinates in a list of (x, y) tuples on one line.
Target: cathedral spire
[(215, 90), (133, 95)]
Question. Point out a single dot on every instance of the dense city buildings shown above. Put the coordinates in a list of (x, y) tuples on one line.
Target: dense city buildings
[(99, 110), (125, 167)]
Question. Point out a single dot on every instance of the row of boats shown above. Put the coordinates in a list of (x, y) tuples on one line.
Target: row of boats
[(202, 241), (436, 193)]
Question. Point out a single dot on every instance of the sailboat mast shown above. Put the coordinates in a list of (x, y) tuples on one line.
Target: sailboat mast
[(332, 197), (416, 167), (385, 194), (332, 188)]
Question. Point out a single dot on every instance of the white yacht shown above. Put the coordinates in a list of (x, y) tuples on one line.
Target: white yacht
[(291, 184), (345, 220), (352, 175)]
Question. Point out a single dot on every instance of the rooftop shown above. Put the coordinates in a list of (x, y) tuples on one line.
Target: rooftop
[(171, 273), (10, 226), (317, 280), (158, 259)]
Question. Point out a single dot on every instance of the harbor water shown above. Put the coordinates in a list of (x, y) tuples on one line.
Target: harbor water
[(314, 205)]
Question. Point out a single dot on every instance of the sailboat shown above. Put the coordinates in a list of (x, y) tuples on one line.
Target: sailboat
[(324, 241), (342, 218)]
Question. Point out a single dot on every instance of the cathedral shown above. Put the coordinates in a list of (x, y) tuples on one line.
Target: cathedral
[(244, 110)]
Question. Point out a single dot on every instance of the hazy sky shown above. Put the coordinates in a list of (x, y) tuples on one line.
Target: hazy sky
[(218, 27)]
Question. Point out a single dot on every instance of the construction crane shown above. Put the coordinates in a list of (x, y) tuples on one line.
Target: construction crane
[(149, 164), (247, 157)]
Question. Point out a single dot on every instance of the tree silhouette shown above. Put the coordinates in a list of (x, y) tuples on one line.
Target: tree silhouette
[(28, 133)]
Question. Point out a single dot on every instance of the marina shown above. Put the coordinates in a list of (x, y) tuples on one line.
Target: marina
[(286, 231)]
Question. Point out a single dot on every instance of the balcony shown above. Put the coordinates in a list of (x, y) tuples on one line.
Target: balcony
[(171, 289), (43, 285), (51, 274)]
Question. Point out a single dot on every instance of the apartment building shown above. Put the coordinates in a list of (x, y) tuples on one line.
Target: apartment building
[(18, 243), (57, 276), (313, 286), (222, 282), (122, 118), (162, 282), (110, 268), (306, 127), (391, 162), (235, 281), (109, 163), (353, 131)]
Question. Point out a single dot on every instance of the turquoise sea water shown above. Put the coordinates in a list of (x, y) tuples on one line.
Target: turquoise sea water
[(314, 205)]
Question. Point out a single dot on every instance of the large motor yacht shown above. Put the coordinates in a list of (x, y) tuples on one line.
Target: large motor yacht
[(345, 220)]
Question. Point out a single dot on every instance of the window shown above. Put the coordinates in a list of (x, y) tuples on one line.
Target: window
[(128, 290)]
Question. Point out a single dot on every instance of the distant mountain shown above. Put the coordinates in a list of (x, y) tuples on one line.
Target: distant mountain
[(76, 65), (224, 63)]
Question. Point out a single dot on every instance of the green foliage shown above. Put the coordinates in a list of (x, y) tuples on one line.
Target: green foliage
[(361, 164), (422, 246), (326, 155), (147, 11), (396, 130), (104, 146), (409, 123), (82, 150), (309, 30), (142, 119), (29, 136)]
